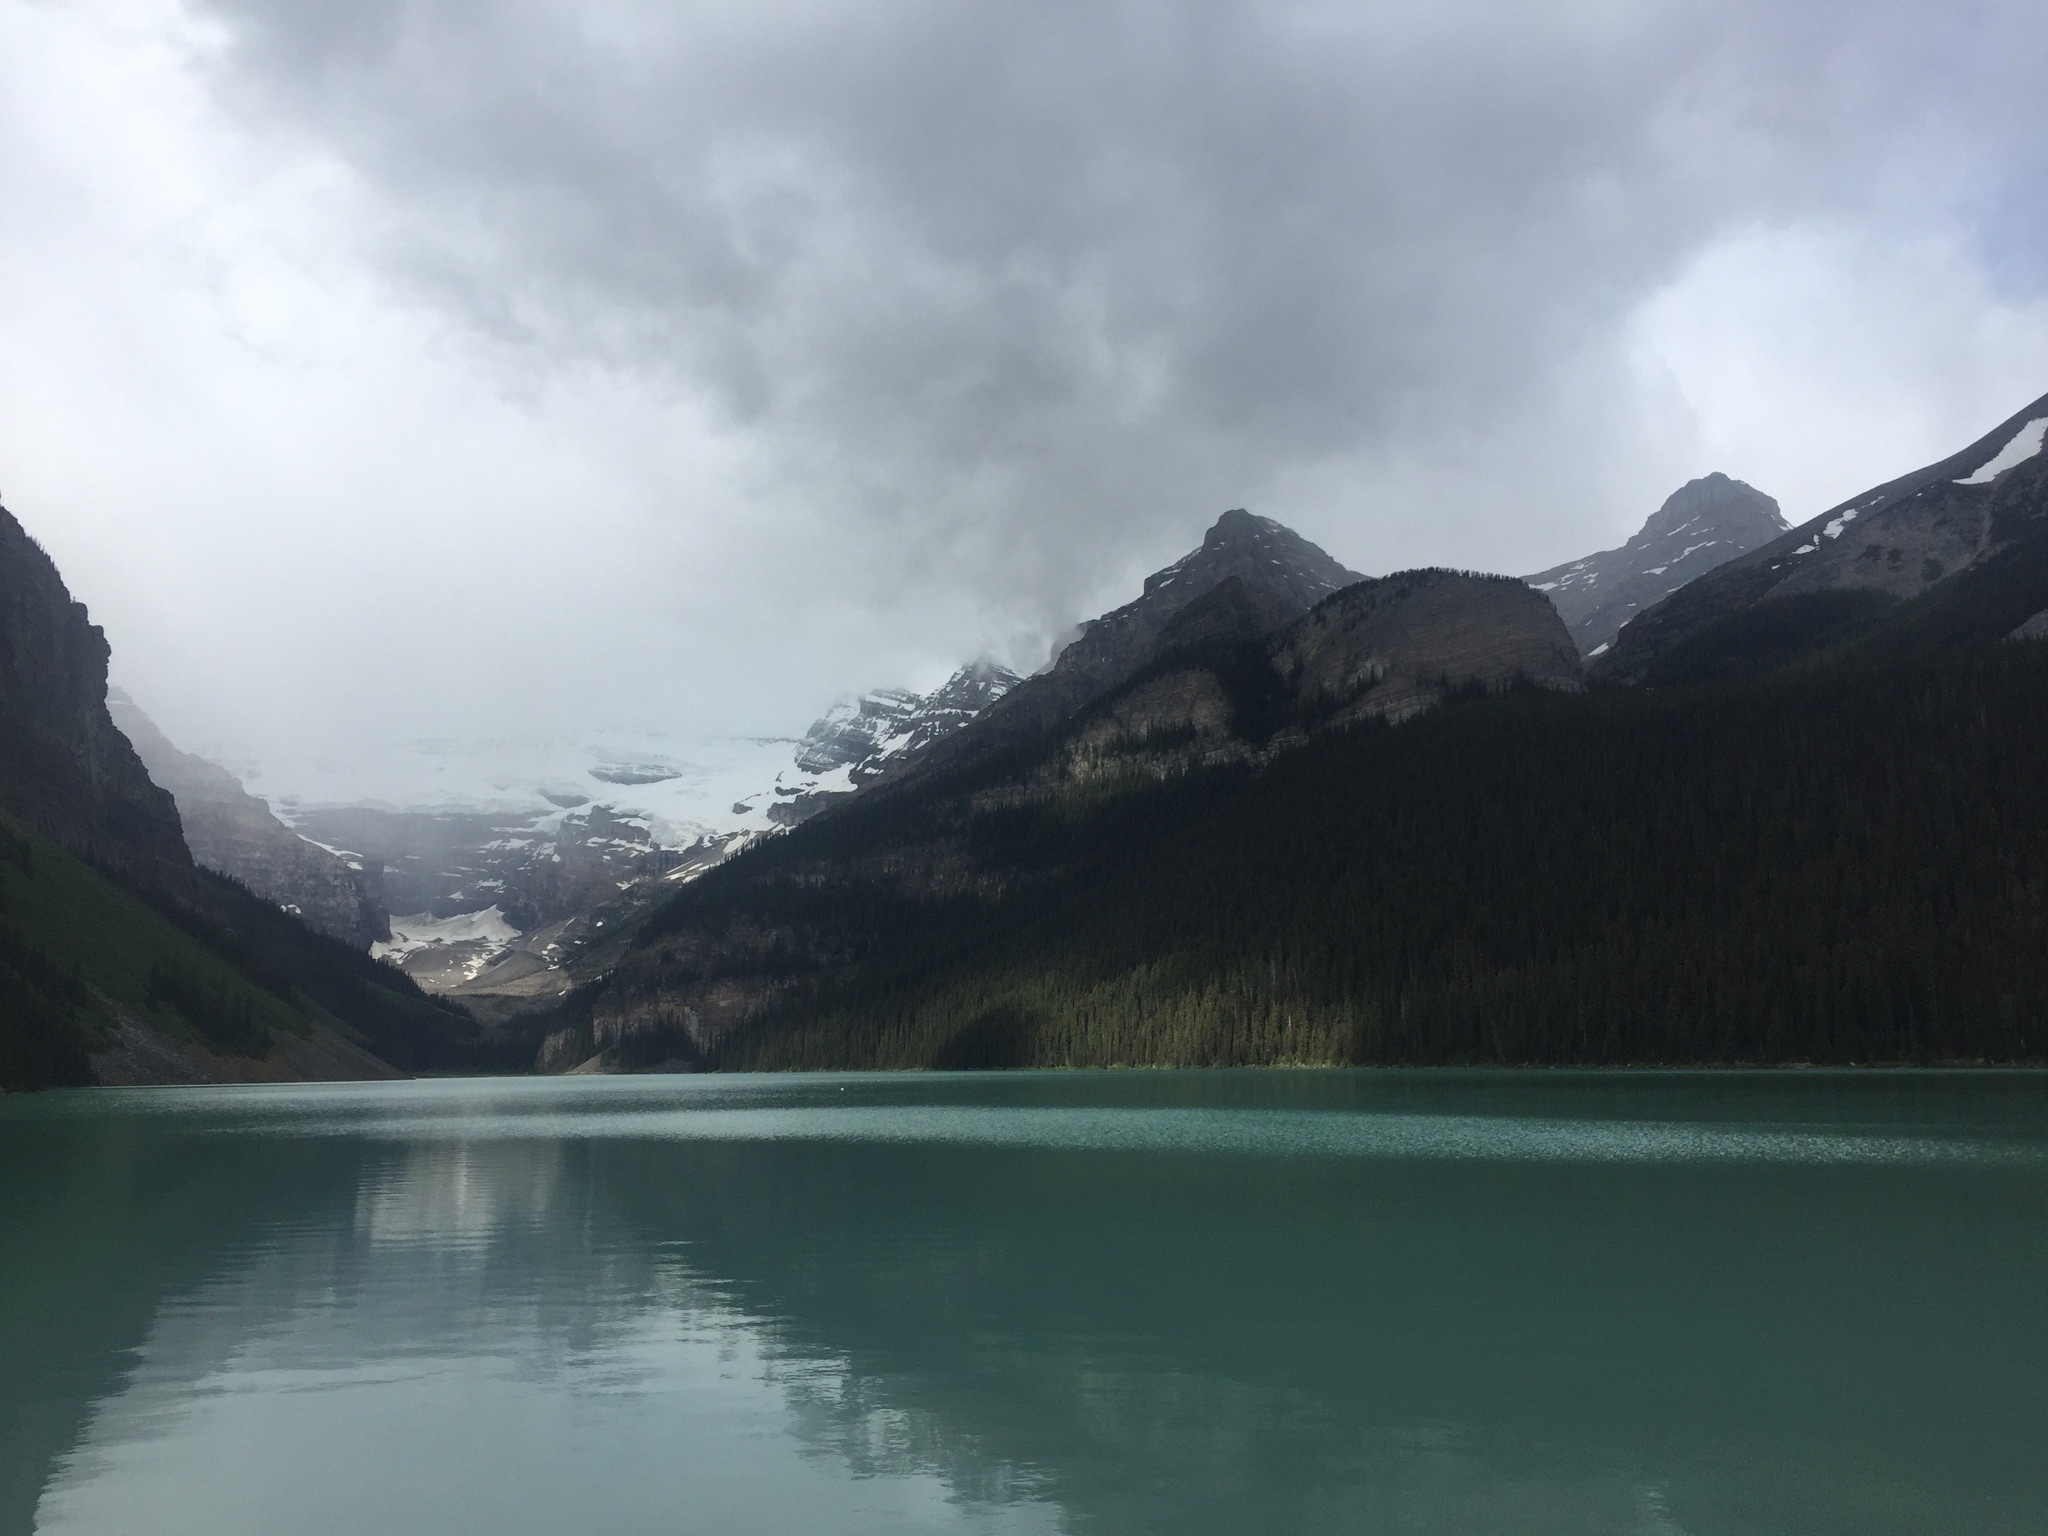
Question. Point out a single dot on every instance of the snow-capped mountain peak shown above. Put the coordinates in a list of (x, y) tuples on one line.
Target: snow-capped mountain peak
[(857, 739), (1703, 524)]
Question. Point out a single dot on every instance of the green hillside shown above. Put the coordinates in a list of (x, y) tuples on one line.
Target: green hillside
[(217, 969)]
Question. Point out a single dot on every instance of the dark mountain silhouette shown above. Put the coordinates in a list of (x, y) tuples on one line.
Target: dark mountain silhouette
[(1371, 836), (65, 771)]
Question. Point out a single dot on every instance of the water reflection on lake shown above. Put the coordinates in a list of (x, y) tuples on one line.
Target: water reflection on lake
[(1425, 1302)]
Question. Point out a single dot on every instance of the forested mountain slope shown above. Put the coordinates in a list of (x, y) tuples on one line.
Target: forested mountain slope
[(1213, 699), (120, 960), (1821, 836), (1847, 864)]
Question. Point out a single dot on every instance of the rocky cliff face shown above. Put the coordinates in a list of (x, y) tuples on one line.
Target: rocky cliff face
[(858, 731), (1705, 523), (1392, 648), (958, 700), (230, 830), (1378, 649), (1898, 541), (64, 768)]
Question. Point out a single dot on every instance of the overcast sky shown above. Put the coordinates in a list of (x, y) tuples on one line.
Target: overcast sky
[(378, 369)]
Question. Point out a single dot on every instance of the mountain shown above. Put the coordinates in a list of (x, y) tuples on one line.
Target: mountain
[(1269, 575), (1703, 524), (501, 905), (500, 909), (1395, 647), (861, 740), (1961, 543), (120, 959), (232, 831), (65, 771), (1187, 684), (1365, 837), (1250, 577)]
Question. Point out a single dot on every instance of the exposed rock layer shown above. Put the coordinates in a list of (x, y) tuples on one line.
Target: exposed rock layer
[(1249, 578), (1390, 648)]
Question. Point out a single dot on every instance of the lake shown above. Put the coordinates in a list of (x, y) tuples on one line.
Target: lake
[(1105, 1303)]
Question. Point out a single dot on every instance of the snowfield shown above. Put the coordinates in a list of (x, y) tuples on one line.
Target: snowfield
[(707, 786), (2023, 445), (422, 930)]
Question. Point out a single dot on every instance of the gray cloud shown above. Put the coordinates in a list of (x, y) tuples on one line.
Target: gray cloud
[(1005, 301), (1078, 270)]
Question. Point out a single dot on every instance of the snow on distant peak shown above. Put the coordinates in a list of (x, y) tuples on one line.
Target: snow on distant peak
[(853, 740), (853, 729), (2022, 445)]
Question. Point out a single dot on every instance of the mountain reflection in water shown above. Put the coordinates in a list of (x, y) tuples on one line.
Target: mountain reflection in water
[(1121, 1303)]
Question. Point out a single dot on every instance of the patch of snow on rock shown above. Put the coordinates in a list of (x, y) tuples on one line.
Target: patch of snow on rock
[(422, 930), (2024, 445)]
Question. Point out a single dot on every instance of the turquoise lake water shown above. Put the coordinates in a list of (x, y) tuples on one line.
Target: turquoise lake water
[(1102, 1303)]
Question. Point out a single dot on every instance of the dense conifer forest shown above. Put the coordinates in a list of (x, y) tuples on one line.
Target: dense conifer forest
[(1846, 861)]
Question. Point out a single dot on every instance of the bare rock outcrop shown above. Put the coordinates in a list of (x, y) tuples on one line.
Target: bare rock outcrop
[(1394, 647)]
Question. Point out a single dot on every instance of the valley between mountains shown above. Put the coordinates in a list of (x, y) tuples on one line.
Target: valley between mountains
[(1731, 792)]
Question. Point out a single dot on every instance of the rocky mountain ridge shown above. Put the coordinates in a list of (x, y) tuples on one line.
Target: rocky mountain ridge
[(1980, 512), (1268, 573), (1703, 524), (1386, 650), (1249, 577)]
